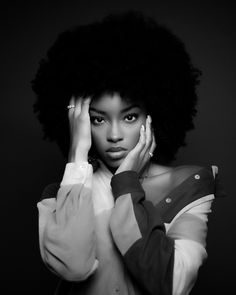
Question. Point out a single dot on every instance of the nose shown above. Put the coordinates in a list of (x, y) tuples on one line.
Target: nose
[(114, 132)]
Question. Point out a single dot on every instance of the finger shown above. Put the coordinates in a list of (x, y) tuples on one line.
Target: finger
[(77, 109), (72, 100), (151, 150), (141, 143), (148, 133), (71, 110), (85, 107), (153, 146), (71, 113)]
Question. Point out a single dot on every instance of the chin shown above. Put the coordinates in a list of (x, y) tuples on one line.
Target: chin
[(113, 164)]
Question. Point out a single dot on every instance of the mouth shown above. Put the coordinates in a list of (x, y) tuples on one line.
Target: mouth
[(116, 153), (115, 149)]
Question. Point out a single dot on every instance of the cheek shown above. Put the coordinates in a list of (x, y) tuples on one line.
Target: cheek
[(134, 132), (133, 135), (97, 138)]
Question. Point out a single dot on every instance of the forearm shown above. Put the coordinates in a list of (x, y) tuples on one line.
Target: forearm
[(66, 226), (189, 231), (139, 234)]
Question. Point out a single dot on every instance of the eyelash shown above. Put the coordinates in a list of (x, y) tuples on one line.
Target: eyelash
[(94, 118), (135, 115)]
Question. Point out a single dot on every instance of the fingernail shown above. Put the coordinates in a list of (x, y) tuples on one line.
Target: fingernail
[(142, 127), (149, 119)]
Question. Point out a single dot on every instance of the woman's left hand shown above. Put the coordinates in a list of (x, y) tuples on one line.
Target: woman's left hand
[(140, 155)]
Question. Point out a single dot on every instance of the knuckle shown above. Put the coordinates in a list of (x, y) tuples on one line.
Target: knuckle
[(81, 117), (143, 142)]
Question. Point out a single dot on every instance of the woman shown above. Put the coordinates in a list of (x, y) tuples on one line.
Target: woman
[(122, 220)]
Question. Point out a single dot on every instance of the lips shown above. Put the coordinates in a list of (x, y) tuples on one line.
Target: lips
[(115, 149), (115, 153)]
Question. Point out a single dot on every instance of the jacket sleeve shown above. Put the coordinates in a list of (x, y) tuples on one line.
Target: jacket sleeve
[(161, 260), (189, 231), (66, 225)]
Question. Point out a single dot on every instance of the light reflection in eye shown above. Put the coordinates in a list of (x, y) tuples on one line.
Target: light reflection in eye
[(96, 120), (131, 117), (99, 120)]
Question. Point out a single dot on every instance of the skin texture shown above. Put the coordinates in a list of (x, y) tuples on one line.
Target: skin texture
[(111, 122), (80, 129), (115, 128)]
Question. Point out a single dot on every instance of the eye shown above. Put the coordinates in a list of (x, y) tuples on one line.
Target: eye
[(131, 117), (96, 120)]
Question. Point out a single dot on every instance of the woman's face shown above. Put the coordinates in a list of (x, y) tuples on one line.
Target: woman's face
[(115, 127)]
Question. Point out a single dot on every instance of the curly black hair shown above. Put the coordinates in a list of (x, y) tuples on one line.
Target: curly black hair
[(127, 53)]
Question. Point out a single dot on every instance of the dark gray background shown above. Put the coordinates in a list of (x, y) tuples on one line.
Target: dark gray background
[(28, 28)]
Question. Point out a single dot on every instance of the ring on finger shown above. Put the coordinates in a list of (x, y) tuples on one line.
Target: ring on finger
[(70, 106)]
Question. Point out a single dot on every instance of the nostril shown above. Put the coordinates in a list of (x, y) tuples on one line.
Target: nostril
[(112, 139)]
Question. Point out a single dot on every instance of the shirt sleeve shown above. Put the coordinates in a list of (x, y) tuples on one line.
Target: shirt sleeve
[(189, 231), (66, 226), (162, 260)]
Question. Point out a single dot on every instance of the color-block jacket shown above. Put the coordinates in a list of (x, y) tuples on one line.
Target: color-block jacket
[(105, 234)]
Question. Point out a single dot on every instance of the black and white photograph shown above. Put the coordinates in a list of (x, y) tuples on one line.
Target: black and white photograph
[(118, 147)]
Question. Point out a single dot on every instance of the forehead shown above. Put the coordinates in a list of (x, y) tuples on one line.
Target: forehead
[(112, 103)]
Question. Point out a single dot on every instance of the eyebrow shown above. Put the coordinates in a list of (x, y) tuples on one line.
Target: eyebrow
[(122, 111)]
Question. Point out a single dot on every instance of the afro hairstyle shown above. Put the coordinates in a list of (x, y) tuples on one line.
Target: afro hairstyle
[(127, 53)]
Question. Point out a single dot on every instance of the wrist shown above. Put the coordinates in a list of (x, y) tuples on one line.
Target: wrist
[(125, 182), (123, 168), (77, 156)]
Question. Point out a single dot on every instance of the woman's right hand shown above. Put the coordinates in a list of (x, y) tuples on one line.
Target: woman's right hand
[(80, 129)]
